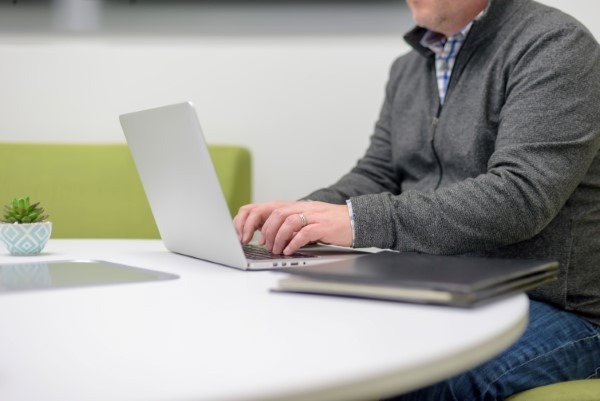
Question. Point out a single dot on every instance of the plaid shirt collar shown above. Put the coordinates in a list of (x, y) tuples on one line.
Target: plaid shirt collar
[(446, 50)]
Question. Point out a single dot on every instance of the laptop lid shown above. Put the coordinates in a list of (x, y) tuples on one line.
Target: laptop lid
[(176, 170)]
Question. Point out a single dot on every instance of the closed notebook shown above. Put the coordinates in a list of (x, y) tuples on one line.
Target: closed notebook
[(421, 278)]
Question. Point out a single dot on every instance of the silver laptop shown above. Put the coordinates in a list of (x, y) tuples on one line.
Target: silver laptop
[(176, 170)]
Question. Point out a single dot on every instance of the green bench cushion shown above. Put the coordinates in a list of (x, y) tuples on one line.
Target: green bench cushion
[(93, 190), (576, 390)]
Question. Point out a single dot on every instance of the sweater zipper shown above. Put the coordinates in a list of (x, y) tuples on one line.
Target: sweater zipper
[(434, 125), (436, 118)]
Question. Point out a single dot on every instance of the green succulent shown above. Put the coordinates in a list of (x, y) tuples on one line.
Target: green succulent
[(21, 211)]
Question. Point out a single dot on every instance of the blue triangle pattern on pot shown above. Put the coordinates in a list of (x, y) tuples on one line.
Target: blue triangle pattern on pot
[(25, 239)]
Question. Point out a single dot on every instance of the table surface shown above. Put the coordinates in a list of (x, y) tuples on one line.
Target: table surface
[(217, 333)]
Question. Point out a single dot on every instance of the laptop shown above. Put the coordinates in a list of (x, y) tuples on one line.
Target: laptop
[(186, 199)]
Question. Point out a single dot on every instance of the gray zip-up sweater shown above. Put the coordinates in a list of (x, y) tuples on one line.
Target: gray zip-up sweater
[(508, 167)]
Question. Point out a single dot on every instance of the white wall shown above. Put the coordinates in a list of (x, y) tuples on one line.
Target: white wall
[(304, 104)]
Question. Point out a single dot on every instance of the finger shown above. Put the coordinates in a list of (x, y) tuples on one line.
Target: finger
[(253, 223), (247, 221), (292, 224), (272, 225), (310, 233), (239, 220)]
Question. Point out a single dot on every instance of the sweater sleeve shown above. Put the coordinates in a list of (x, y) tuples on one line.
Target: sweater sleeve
[(548, 136)]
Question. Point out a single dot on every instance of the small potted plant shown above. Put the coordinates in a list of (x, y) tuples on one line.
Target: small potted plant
[(24, 227)]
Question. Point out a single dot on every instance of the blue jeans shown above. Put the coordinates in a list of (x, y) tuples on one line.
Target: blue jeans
[(556, 346)]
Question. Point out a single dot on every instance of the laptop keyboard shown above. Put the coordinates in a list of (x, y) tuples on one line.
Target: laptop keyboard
[(255, 252)]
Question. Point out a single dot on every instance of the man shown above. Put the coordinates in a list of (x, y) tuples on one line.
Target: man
[(487, 144)]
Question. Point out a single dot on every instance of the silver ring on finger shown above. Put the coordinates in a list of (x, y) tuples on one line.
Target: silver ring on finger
[(303, 220)]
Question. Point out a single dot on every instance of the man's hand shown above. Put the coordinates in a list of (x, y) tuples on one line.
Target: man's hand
[(286, 226)]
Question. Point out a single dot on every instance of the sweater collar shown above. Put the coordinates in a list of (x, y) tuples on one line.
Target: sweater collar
[(497, 12)]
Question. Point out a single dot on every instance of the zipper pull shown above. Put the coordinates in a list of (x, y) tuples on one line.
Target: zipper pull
[(434, 124)]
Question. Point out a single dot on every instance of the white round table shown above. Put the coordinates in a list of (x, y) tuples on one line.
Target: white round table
[(218, 333)]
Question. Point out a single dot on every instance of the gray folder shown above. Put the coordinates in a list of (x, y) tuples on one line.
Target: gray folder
[(421, 278)]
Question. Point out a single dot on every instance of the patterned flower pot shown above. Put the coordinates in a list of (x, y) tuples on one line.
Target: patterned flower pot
[(25, 239)]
